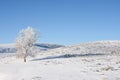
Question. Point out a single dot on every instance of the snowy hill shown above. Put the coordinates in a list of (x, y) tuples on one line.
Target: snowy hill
[(76, 62), (98, 47), (10, 48)]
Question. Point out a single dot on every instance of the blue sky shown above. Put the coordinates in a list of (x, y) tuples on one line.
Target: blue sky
[(61, 21)]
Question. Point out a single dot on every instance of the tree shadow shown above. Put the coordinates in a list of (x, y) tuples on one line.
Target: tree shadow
[(68, 56)]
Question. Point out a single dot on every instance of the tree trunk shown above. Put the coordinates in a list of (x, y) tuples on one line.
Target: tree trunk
[(24, 59)]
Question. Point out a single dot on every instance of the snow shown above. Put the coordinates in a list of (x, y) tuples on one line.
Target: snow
[(55, 65), (76, 68)]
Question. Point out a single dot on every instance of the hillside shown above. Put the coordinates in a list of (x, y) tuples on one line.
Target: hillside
[(87, 61), (98, 47)]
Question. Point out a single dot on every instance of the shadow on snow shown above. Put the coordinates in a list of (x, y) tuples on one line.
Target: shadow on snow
[(67, 56)]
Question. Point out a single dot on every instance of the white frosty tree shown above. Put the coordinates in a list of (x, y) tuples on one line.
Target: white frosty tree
[(25, 42)]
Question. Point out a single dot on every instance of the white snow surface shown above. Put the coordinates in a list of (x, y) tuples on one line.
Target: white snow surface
[(78, 68), (51, 65)]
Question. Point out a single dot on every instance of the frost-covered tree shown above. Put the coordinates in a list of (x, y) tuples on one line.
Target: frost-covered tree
[(25, 42)]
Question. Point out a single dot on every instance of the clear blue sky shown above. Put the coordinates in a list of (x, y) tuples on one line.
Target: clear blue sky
[(61, 21)]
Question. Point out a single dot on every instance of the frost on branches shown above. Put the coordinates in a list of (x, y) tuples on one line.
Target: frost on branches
[(25, 42)]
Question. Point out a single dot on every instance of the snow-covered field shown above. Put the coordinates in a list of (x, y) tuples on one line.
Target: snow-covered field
[(104, 67), (51, 65)]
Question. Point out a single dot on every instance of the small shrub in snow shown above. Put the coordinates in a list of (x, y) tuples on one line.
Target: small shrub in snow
[(70, 55), (108, 68), (116, 52)]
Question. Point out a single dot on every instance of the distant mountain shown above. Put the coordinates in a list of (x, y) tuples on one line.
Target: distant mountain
[(98, 47), (48, 46), (10, 48)]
